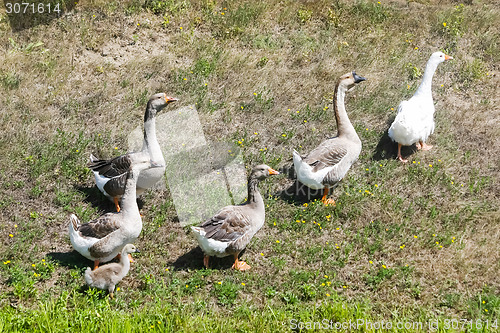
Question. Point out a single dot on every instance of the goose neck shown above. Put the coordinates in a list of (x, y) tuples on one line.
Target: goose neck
[(425, 86), (129, 201), (124, 260), (253, 191), (344, 126), (150, 142)]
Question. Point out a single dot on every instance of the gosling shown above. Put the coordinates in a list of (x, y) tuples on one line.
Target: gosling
[(107, 276)]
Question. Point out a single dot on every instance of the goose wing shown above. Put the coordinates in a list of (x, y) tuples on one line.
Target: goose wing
[(116, 186), (327, 154), (227, 225), (111, 168), (100, 227)]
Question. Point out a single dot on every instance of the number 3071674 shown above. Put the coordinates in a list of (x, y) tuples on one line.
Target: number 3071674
[(31, 8)]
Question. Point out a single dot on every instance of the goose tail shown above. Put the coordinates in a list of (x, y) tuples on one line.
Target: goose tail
[(199, 232), (297, 160), (93, 158), (74, 224), (301, 168)]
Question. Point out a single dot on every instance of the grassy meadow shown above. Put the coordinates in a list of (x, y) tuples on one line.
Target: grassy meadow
[(407, 244)]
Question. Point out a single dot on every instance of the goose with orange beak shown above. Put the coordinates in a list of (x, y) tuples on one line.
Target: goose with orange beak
[(230, 230), (110, 175), (415, 119)]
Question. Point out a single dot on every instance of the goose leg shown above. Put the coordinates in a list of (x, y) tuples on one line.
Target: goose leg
[(399, 154), (96, 264), (240, 265), (206, 260), (326, 201), (117, 204), (111, 289), (424, 146)]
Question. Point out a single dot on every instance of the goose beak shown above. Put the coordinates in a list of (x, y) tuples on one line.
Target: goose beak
[(357, 78), (273, 172), (137, 250), (169, 99), (447, 57)]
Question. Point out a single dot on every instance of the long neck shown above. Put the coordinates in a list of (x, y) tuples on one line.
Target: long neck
[(344, 126), (426, 84), (125, 263), (254, 196), (129, 201), (150, 142)]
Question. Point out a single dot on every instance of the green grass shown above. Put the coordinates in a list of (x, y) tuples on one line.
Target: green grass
[(404, 243)]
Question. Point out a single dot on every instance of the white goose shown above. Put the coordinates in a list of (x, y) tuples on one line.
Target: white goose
[(327, 164), (102, 239), (110, 174), (415, 118)]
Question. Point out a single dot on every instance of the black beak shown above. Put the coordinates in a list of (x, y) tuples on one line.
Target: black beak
[(137, 250), (357, 78)]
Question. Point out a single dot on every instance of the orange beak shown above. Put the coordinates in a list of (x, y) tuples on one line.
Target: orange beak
[(273, 172), (169, 99), (447, 57)]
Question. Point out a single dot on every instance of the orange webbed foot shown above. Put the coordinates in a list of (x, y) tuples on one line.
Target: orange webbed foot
[(117, 204), (402, 159), (425, 147), (241, 266), (328, 202)]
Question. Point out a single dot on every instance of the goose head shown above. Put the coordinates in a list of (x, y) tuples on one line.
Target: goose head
[(350, 79), (130, 248), (439, 57), (158, 101), (262, 171)]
